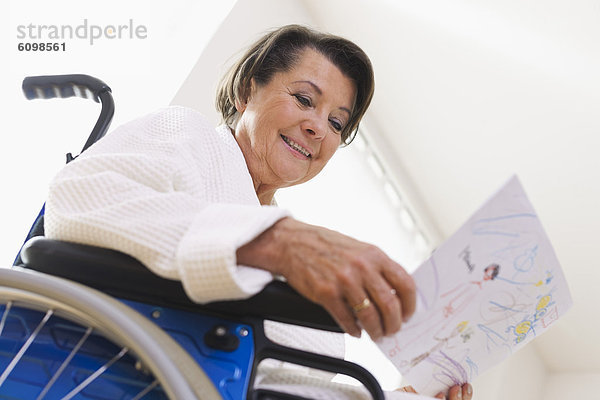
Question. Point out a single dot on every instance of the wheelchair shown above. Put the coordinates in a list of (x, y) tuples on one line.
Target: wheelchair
[(83, 322)]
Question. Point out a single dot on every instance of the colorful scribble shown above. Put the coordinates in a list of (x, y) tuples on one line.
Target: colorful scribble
[(551, 317), (463, 325)]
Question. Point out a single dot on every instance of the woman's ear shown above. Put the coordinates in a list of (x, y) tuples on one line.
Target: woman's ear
[(242, 101), (240, 105)]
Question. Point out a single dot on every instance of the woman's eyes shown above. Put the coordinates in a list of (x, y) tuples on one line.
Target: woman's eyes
[(336, 125), (306, 102)]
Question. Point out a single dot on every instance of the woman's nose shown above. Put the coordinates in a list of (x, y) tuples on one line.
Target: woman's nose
[(315, 128)]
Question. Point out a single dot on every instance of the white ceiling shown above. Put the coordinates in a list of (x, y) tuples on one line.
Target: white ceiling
[(469, 93)]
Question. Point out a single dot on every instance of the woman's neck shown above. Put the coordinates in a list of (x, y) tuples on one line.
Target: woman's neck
[(265, 197), (265, 192)]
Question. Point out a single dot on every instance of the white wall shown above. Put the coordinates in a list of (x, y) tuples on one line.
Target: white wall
[(520, 377), (143, 74), (246, 22), (469, 93), (572, 385)]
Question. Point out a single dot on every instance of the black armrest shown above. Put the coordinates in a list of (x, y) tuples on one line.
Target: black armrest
[(123, 276)]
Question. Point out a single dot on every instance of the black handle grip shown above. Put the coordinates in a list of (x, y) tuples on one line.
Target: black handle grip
[(51, 86)]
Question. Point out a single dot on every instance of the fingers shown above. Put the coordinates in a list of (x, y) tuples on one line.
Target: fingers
[(393, 292), (376, 311), (356, 282), (404, 286), (407, 389), (381, 295), (467, 391), (455, 393), (464, 392), (365, 312), (388, 307), (344, 317)]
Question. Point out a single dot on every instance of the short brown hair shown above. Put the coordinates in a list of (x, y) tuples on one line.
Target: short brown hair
[(278, 51)]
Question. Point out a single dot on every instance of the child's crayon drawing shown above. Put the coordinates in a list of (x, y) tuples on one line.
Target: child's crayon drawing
[(488, 290)]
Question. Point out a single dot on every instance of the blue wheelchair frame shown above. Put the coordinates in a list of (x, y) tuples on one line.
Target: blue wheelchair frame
[(225, 338)]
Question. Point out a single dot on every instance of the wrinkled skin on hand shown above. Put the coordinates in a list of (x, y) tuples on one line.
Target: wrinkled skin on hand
[(337, 272)]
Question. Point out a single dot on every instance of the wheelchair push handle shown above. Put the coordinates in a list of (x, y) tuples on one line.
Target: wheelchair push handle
[(52, 86), (79, 85)]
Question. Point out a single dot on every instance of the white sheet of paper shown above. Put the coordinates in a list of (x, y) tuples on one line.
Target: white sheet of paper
[(467, 319)]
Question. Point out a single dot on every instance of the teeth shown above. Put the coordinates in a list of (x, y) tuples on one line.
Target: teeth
[(295, 146)]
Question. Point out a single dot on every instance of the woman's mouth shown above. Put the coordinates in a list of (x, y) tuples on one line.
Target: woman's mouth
[(295, 146)]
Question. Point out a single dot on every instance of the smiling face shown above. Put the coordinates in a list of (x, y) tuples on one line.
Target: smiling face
[(290, 127)]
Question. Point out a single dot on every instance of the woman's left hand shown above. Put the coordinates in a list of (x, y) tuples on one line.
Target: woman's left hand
[(464, 392)]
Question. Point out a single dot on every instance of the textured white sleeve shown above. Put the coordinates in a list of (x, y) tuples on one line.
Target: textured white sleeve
[(153, 189)]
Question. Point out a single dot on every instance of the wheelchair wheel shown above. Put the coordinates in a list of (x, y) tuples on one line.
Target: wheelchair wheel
[(63, 340)]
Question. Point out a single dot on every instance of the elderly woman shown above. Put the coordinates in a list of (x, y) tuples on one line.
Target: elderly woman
[(196, 203)]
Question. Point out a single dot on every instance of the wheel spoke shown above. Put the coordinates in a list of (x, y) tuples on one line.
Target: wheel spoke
[(65, 363), (4, 316), (25, 346), (146, 390), (95, 375)]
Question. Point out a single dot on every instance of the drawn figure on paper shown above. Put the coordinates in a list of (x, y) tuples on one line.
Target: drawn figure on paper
[(542, 306), (524, 262), (521, 330), (466, 257), (550, 317), (527, 325), (441, 325), (450, 371), (547, 280), (465, 331), (462, 295), (462, 329), (473, 368), (472, 313), (494, 339)]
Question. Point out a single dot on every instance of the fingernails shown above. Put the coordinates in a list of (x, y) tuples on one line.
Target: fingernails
[(376, 335), (469, 389), (459, 394)]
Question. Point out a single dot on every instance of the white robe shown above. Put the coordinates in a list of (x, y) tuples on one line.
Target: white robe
[(175, 193)]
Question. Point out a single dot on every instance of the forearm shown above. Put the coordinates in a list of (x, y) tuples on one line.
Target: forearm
[(265, 251), (173, 233)]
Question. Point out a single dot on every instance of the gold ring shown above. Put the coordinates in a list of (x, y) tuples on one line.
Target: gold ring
[(364, 304)]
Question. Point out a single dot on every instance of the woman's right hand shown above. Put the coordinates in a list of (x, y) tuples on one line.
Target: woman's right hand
[(356, 282), (456, 392)]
